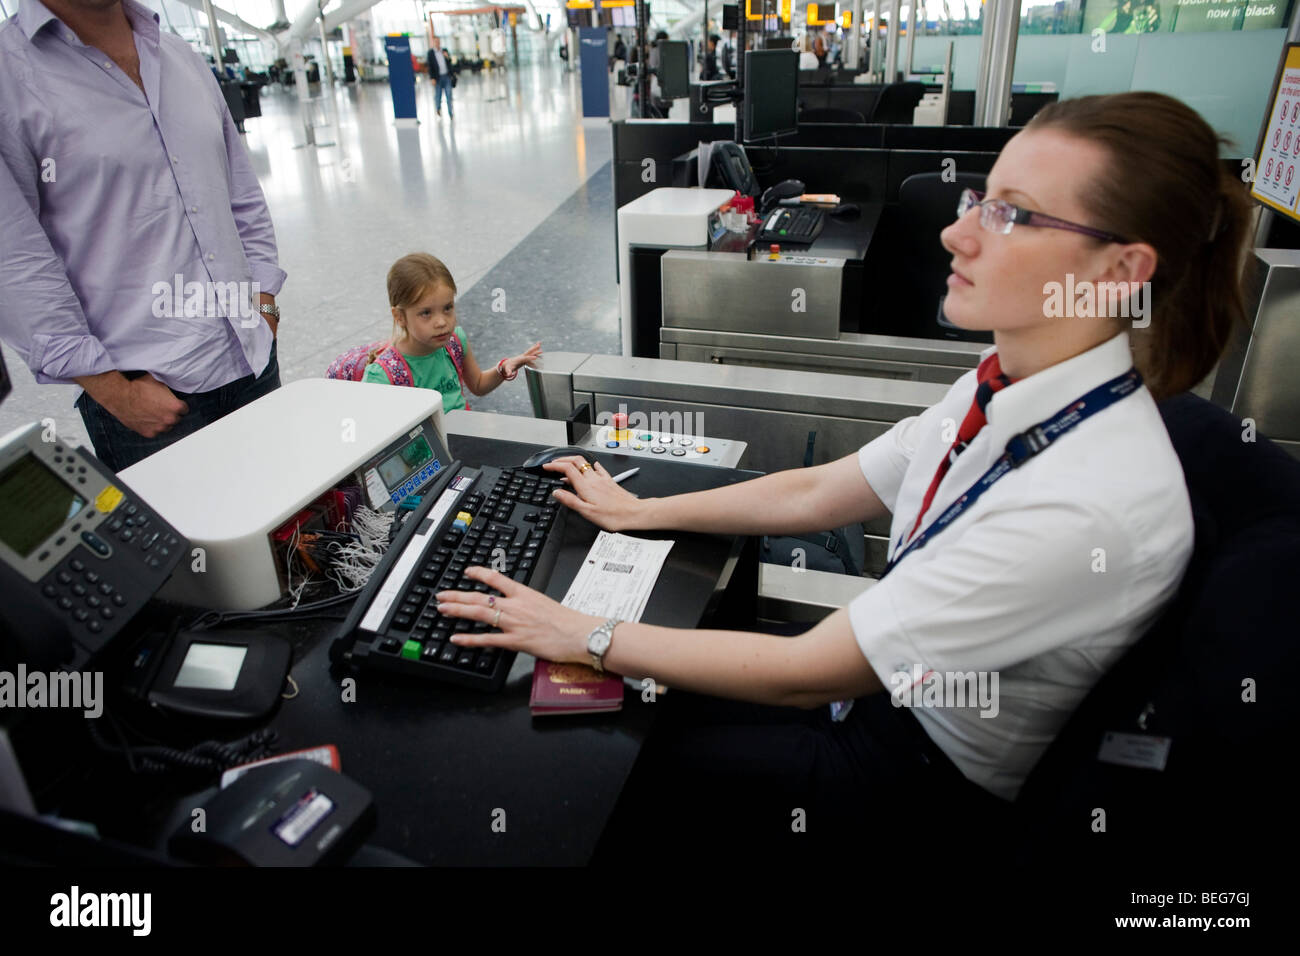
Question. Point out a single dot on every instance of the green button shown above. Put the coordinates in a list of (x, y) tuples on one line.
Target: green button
[(783, 232), (411, 650), (645, 436)]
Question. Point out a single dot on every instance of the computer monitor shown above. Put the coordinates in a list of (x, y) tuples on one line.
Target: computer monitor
[(1277, 154), (771, 93), (731, 16), (674, 69), (778, 41)]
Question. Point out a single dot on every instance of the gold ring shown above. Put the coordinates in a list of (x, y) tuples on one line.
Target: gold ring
[(584, 468), (496, 624)]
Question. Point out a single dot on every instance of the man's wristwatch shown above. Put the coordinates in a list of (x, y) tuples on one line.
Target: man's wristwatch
[(598, 642), (267, 308)]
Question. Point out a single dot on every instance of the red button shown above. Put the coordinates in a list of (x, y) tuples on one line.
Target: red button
[(620, 420)]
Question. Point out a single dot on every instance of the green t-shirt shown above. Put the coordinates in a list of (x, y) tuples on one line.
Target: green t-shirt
[(434, 370)]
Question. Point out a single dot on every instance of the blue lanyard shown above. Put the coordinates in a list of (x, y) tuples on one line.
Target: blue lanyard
[(1023, 447)]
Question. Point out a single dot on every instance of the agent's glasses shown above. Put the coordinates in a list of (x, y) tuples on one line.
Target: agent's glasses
[(998, 215)]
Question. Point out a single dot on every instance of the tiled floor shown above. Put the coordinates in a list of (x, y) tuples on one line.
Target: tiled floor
[(514, 195)]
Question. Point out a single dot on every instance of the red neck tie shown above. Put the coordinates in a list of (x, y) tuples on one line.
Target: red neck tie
[(990, 378)]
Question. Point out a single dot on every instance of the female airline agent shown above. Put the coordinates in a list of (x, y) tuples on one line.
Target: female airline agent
[(1044, 575)]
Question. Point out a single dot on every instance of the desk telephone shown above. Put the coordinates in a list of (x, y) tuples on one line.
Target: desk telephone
[(80, 554)]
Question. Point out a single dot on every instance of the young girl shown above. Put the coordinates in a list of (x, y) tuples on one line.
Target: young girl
[(427, 340), (994, 572)]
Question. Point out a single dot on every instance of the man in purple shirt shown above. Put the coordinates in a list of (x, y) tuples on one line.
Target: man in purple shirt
[(137, 256)]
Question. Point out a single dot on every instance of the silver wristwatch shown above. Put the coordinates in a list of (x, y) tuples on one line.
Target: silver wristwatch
[(267, 308), (598, 642)]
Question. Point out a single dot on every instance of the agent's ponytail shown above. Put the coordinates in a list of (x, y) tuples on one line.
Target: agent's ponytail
[(1166, 186)]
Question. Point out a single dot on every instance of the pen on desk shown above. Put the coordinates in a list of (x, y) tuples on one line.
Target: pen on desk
[(619, 479)]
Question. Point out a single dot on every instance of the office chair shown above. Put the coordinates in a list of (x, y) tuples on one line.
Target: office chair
[(830, 115), (896, 103), (927, 204)]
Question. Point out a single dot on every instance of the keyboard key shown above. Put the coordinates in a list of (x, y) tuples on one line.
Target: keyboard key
[(401, 622), (390, 645), (465, 660), (411, 650), (431, 652), (483, 665), (448, 654)]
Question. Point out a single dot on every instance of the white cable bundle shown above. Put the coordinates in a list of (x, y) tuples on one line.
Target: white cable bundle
[(356, 561)]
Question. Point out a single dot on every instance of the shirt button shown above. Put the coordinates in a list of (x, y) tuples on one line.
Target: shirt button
[(211, 256), (194, 209), (175, 160), (108, 66)]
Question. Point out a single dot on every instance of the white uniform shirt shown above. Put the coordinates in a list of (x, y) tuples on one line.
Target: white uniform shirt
[(1015, 586)]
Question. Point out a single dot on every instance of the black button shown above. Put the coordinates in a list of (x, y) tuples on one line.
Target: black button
[(91, 577), (94, 626), (59, 540), (105, 588), (43, 556), (65, 603), (49, 590), (402, 622), (391, 644), (64, 577), (448, 653), (106, 612), (93, 600), (119, 600), (131, 509), (115, 525), (76, 564), (79, 590), (96, 543), (153, 562), (81, 613)]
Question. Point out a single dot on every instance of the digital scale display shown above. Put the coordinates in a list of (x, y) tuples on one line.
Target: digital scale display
[(409, 459), (34, 504)]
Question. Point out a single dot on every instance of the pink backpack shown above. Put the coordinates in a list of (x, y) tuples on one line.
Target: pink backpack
[(351, 365)]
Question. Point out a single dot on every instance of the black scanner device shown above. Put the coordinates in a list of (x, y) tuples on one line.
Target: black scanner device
[(533, 463), (290, 813)]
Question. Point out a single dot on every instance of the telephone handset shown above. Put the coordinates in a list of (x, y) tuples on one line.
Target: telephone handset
[(80, 554), (731, 167)]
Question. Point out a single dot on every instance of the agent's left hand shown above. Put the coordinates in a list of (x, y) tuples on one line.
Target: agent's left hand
[(528, 620)]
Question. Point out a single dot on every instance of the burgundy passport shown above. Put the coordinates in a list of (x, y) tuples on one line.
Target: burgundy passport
[(573, 689)]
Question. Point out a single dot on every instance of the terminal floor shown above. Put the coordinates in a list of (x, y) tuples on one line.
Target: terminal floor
[(516, 196)]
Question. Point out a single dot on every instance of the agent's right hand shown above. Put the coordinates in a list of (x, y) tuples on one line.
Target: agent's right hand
[(147, 407), (594, 495)]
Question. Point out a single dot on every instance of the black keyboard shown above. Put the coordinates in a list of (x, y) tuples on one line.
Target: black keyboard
[(797, 224), (514, 525)]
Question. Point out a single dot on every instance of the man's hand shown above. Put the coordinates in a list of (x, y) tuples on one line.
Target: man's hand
[(144, 405)]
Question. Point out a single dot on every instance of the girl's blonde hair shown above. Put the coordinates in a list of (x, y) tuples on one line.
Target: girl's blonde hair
[(411, 278)]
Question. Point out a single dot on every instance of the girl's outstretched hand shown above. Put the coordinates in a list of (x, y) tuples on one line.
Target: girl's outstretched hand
[(529, 358)]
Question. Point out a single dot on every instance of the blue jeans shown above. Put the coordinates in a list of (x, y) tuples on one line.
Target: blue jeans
[(444, 88), (119, 447)]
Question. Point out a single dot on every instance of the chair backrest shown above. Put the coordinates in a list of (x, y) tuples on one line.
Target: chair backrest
[(897, 101), (1212, 677), (831, 115), (927, 204)]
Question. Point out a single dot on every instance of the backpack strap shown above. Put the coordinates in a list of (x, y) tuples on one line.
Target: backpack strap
[(395, 366), (457, 353)]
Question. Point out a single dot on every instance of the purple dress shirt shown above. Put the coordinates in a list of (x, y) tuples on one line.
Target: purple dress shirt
[(108, 193)]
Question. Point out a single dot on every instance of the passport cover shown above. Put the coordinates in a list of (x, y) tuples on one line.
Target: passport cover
[(573, 689)]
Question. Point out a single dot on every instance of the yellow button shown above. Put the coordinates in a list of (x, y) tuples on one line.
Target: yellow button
[(622, 434), (464, 516), (702, 449), (108, 499)]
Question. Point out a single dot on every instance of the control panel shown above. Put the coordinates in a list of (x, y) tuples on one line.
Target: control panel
[(649, 443)]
